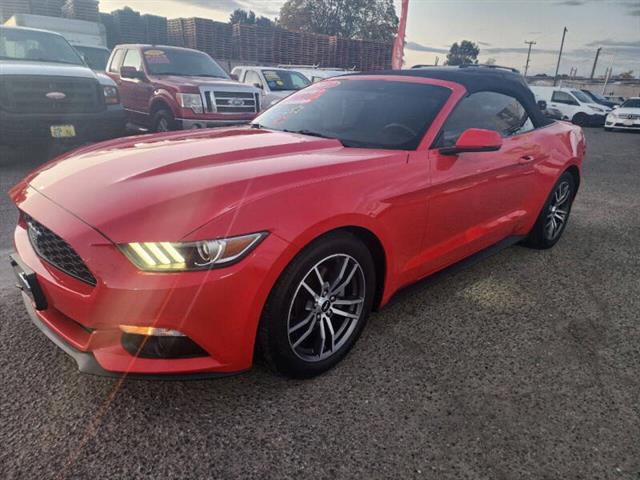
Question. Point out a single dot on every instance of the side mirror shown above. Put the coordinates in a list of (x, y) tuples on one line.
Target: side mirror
[(130, 72), (615, 106), (233, 76), (542, 105), (475, 140), (258, 85)]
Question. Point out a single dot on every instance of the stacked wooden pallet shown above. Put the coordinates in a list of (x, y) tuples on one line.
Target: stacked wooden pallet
[(113, 37), (81, 10), (49, 8), (155, 29), (129, 25), (214, 38), (174, 32), (245, 47), (9, 8)]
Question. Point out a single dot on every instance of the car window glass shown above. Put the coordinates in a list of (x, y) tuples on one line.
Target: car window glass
[(133, 59), (116, 61), (488, 110), (252, 77), (563, 97)]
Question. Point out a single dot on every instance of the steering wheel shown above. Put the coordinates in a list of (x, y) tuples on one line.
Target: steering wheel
[(399, 126)]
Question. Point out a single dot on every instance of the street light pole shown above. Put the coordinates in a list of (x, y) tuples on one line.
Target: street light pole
[(555, 77), (595, 62), (526, 67)]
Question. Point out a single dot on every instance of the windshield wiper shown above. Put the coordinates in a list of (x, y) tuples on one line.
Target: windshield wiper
[(309, 133)]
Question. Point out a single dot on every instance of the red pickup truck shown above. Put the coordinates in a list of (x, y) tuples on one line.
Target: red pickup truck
[(170, 88)]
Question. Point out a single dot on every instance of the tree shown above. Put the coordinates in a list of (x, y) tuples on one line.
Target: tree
[(361, 19), (466, 52), (242, 16), (626, 75)]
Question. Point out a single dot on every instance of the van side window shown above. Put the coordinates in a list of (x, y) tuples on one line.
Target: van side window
[(252, 78), (488, 110), (116, 61), (563, 97)]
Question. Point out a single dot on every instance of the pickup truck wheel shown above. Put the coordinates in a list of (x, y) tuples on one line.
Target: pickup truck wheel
[(163, 121), (579, 119), (554, 215), (318, 307)]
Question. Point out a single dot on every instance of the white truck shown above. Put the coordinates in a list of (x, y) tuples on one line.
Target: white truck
[(88, 38)]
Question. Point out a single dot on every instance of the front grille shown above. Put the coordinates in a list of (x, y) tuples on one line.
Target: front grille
[(232, 102), (630, 116), (54, 250), (28, 94)]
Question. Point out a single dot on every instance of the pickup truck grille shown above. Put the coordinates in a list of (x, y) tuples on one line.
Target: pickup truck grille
[(28, 94), (231, 102), (54, 250)]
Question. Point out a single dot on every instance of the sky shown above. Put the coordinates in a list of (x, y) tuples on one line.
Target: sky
[(500, 27)]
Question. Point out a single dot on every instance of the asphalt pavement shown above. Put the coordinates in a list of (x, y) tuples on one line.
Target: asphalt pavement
[(524, 366)]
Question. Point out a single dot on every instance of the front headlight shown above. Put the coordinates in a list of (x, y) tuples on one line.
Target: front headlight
[(191, 100), (189, 256), (111, 96)]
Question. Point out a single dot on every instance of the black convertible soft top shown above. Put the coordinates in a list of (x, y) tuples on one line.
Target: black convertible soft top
[(480, 78)]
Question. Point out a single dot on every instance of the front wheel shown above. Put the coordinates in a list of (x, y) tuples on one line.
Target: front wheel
[(554, 215), (579, 119), (319, 306), (164, 121)]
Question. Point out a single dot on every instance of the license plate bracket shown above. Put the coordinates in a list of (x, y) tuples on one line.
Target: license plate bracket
[(27, 282)]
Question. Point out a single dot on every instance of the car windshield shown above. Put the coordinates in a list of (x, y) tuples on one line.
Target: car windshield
[(186, 63), (279, 80), (96, 58), (597, 96), (36, 46), (633, 103), (581, 96), (360, 113)]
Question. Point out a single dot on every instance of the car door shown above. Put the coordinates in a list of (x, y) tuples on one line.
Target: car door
[(479, 198), (565, 102), (137, 91)]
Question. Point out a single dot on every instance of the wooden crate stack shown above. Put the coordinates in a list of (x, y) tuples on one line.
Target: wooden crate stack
[(81, 10), (155, 29), (245, 47), (9, 8), (214, 38), (113, 38), (129, 25)]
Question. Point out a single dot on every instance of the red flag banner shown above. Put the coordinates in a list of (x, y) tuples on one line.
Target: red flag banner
[(398, 45)]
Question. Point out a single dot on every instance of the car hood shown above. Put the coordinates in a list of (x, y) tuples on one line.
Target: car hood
[(626, 111), (164, 187), (197, 82), (8, 67)]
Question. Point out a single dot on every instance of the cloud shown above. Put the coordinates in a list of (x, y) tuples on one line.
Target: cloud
[(572, 3), (614, 43), (523, 50), (261, 8), (484, 44), (422, 48)]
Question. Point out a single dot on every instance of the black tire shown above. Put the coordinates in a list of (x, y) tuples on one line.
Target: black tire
[(274, 343), (579, 119), (540, 236), (164, 121)]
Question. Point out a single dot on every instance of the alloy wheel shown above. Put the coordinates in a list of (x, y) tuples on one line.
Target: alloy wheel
[(326, 307), (558, 211), (163, 125)]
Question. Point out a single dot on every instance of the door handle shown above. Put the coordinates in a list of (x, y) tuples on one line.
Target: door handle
[(526, 159)]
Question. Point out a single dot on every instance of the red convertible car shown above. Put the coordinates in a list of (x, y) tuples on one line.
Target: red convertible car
[(185, 253)]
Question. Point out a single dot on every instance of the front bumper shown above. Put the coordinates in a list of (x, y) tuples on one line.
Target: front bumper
[(595, 120), (17, 128), (622, 123), (219, 310), (190, 123)]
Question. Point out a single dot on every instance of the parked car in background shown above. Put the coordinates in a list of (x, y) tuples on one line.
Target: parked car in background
[(48, 93), (170, 88), (282, 236), (625, 117), (616, 99), (316, 74), (274, 83), (599, 99), (88, 38), (574, 104)]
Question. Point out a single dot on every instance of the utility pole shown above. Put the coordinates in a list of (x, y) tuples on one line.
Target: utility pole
[(595, 62), (526, 67), (555, 77)]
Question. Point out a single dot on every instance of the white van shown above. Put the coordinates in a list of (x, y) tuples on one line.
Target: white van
[(574, 104)]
